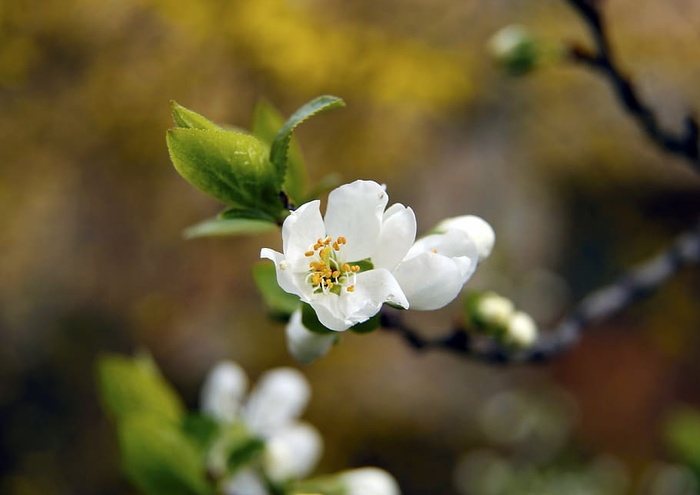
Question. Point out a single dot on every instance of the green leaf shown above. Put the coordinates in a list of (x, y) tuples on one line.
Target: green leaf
[(245, 452), (310, 320), (280, 145), (267, 122), (280, 303), (188, 119), (329, 182), (201, 429), (367, 326), (134, 386), (224, 227), (683, 435), (159, 459), (321, 485), (228, 165)]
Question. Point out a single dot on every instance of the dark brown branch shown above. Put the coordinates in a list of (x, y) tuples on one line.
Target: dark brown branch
[(684, 143), (598, 306)]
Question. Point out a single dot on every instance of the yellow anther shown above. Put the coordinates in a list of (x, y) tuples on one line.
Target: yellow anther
[(336, 274), (336, 246), (355, 268), (327, 241), (342, 240), (309, 253), (325, 252), (351, 288), (329, 284), (316, 279), (346, 268)]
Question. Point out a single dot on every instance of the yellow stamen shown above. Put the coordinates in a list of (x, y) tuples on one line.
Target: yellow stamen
[(342, 240), (336, 274), (355, 268), (336, 246), (309, 253), (434, 251), (351, 288)]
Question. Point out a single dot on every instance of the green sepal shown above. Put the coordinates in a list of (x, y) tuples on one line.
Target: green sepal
[(159, 459), (134, 386), (244, 453), (280, 145), (230, 166), (310, 320), (367, 326), (267, 122), (279, 303), (186, 118)]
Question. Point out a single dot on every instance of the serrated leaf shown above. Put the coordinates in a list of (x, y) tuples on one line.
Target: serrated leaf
[(280, 145), (280, 303), (217, 227), (186, 118), (159, 459), (267, 122), (134, 386), (231, 166)]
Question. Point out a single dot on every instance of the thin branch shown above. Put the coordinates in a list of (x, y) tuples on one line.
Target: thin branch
[(684, 143), (598, 306)]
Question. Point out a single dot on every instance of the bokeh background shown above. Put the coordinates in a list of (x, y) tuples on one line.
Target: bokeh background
[(91, 214)]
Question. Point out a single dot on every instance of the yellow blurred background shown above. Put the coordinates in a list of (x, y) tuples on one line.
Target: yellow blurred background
[(92, 258)]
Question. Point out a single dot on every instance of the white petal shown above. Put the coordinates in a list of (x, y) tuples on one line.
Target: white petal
[(372, 289), (355, 212), (327, 308), (477, 228), (451, 243), (430, 281), (369, 481), (301, 229), (285, 276), (303, 344), (279, 396), (223, 391), (293, 452), (245, 482), (521, 330), (396, 237)]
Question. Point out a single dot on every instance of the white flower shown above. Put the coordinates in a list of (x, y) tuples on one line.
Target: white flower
[(369, 481), (303, 344), (436, 268), (359, 256), (341, 264), (477, 228), (292, 448)]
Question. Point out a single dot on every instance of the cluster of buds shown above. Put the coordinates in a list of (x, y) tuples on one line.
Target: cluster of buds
[(497, 316)]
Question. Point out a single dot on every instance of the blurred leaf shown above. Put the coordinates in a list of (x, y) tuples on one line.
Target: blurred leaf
[(321, 485), (279, 302), (280, 145), (159, 459), (244, 452), (134, 386), (188, 119), (326, 184), (228, 165), (267, 122), (683, 435), (201, 429), (225, 227)]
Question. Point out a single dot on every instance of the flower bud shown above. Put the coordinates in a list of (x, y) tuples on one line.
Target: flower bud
[(478, 229), (521, 330), (494, 310), (303, 344), (515, 49), (369, 481)]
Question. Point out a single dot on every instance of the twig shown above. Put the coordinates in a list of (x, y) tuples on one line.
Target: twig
[(598, 306), (684, 143)]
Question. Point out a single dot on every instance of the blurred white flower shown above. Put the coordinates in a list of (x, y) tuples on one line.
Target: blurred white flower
[(521, 330), (369, 481), (271, 412), (494, 309)]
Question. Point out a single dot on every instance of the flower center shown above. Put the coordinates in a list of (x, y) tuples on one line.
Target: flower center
[(328, 273)]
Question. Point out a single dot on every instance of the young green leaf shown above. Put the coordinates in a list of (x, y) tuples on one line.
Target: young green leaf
[(159, 459), (280, 145), (231, 166), (186, 118), (280, 303), (216, 227), (267, 122), (134, 386)]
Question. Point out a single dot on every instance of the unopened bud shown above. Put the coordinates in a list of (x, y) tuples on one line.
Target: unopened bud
[(521, 330), (494, 310), (478, 230), (515, 49)]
